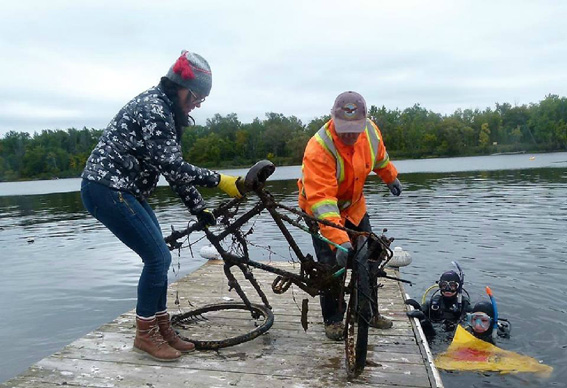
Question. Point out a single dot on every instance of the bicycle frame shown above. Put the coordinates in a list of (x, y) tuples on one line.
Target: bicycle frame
[(313, 277)]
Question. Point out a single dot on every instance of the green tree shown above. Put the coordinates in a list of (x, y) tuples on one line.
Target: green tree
[(14, 147), (225, 141), (545, 119), (560, 134), (35, 162), (256, 146), (516, 135), (450, 133), (206, 151), (484, 136), (224, 126), (278, 130), (316, 124)]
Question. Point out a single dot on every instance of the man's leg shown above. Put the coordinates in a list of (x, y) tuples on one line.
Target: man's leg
[(332, 303)]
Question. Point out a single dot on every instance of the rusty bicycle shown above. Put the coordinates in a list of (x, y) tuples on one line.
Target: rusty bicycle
[(357, 281)]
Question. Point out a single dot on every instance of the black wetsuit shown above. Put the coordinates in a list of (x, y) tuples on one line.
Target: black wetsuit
[(443, 310)]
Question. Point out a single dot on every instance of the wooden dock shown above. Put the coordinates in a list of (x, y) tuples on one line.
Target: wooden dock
[(285, 356)]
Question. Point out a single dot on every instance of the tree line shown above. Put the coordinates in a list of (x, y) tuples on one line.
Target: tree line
[(225, 142)]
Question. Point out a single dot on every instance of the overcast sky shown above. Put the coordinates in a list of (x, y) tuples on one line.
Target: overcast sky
[(76, 63)]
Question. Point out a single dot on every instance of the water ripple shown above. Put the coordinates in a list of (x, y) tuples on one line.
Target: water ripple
[(505, 228)]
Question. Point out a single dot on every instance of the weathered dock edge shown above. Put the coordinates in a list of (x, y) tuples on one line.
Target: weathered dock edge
[(286, 356)]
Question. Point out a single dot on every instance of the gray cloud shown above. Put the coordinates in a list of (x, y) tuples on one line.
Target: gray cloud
[(74, 64)]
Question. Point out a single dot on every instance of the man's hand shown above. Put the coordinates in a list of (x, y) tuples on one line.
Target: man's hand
[(395, 187), (206, 217), (342, 255), (232, 185)]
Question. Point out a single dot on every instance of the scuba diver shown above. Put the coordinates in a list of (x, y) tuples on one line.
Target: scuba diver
[(450, 305), (484, 323), (447, 305)]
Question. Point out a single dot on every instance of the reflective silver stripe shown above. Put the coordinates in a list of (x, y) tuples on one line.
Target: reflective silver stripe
[(384, 162), (326, 208), (324, 138), (374, 141), (303, 181)]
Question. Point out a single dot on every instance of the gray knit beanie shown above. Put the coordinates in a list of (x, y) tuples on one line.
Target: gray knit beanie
[(193, 72)]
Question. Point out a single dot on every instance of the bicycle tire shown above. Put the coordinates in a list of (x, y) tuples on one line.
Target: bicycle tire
[(256, 310), (357, 321)]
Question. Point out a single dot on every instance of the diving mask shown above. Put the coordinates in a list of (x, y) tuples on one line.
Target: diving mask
[(450, 286), (478, 321)]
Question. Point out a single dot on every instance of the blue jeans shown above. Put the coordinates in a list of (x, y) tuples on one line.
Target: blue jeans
[(332, 303), (135, 224)]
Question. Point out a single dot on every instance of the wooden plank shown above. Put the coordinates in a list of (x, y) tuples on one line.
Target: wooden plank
[(99, 344), (81, 373), (284, 356)]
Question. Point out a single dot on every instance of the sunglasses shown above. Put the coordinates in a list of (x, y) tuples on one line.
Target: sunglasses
[(480, 322), (451, 285), (196, 100)]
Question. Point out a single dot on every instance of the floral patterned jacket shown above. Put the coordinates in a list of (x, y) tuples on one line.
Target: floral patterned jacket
[(141, 143)]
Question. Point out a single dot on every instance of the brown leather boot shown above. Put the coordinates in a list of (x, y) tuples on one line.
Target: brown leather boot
[(171, 336), (149, 341), (379, 321)]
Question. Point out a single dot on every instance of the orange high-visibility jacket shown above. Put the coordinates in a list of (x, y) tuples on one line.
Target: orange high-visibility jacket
[(333, 176)]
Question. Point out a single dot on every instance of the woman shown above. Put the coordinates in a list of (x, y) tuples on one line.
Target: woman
[(141, 143)]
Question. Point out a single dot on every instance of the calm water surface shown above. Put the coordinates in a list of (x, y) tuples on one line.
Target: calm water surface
[(503, 218)]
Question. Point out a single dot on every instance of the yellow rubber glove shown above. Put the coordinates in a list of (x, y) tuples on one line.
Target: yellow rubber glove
[(229, 184), (206, 217)]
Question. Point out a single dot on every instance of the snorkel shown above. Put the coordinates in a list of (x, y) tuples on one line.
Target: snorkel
[(493, 301), (460, 290)]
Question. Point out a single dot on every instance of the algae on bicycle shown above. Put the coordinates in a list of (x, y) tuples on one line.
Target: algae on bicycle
[(366, 263)]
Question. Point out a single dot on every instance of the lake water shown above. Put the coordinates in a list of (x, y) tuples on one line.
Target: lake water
[(503, 218)]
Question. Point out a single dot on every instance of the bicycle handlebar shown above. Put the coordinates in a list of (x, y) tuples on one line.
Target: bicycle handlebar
[(254, 181)]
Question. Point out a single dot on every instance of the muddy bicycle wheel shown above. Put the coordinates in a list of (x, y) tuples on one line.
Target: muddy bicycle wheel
[(208, 326), (357, 321)]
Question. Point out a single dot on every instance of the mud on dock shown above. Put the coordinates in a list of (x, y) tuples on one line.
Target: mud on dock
[(285, 356)]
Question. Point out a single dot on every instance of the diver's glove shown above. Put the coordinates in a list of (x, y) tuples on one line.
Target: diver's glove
[(206, 217), (395, 187), (416, 314), (503, 328), (425, 323), (449, 325), (232, 185), (413, 303), (342, 256), (427, 327)]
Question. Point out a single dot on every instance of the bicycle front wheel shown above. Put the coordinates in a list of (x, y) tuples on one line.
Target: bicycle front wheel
[(357, 320), (206, 326)]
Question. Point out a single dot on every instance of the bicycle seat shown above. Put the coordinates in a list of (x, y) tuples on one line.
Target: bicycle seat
[(258, 174)]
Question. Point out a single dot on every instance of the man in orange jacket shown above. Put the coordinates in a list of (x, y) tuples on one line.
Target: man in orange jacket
[(336, 163)]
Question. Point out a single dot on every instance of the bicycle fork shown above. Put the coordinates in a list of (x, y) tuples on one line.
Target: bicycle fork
[(233, 284)]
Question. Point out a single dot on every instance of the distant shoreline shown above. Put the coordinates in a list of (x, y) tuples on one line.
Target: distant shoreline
[(508, 153), (393, 158)]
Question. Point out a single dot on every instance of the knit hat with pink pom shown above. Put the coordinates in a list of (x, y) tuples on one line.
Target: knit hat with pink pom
[(193, 72)]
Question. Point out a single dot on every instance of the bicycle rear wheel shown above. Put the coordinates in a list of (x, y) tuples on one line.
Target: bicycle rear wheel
[(357, 320), (209, 318)]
